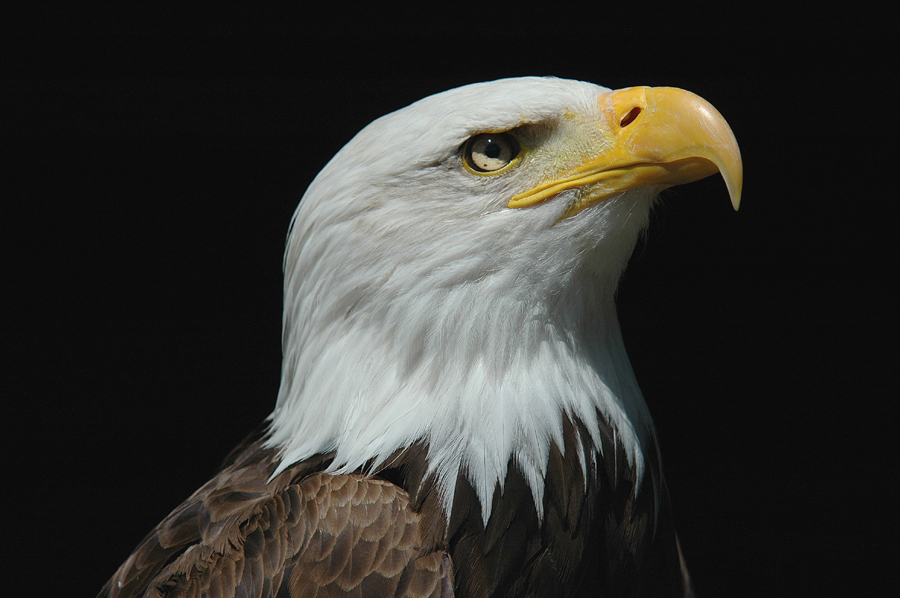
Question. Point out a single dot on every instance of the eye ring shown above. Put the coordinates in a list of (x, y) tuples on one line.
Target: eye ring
[(490, 153)]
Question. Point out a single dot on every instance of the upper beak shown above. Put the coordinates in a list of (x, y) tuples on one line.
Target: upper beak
[(660, 136)]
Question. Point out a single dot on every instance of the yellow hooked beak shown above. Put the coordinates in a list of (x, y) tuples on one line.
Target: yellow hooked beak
[(651, 136)]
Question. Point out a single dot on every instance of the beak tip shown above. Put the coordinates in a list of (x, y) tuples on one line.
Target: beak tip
[(735, 185)]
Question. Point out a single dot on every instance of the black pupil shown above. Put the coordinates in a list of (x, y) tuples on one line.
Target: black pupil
[(493, 149)]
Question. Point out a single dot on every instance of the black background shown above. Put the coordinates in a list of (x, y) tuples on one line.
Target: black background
[(152, 164)]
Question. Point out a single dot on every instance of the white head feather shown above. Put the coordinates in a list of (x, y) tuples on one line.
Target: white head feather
[(419, 307)]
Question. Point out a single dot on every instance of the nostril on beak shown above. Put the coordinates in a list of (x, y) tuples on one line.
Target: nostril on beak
[(629, 118)]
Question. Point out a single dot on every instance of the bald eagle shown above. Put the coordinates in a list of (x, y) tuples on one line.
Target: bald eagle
[(457, 414)]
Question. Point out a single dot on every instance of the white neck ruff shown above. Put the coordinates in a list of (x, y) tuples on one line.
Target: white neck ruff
[(481, 368)]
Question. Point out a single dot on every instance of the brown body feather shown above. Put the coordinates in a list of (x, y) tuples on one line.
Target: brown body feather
[(311, 533)]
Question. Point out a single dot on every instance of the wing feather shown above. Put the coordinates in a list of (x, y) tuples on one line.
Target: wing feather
[(306, 533)]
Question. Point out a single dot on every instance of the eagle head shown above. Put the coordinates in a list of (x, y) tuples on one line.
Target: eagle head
[(450, 276)]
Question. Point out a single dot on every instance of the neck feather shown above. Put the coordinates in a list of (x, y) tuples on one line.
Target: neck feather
[(482, 369)]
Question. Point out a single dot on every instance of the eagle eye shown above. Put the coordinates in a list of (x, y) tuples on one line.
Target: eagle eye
[(490, 152)]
